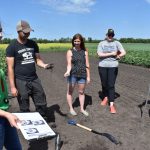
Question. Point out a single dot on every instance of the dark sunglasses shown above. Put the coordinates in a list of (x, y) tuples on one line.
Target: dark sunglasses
[(25, 33)]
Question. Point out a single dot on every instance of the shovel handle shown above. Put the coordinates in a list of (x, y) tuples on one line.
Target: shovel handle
[(84, 127)]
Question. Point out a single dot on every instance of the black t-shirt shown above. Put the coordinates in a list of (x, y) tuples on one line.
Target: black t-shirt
[(24, 59)]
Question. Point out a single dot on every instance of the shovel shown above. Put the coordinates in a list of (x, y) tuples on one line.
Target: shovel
[(110, 137)]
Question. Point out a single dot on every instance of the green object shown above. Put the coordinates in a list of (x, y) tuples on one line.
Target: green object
[(4, 103)]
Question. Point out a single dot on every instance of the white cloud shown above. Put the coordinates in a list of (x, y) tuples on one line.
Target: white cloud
[(67, 6)]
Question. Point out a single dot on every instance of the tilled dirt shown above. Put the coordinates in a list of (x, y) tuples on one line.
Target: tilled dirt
[(130, 126)]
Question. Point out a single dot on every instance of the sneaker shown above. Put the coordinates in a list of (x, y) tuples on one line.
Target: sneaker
[(72, 112), (104, 102), (85, 113), (112, 109)]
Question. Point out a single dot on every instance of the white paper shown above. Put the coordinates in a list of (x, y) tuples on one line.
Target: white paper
[(33, 126)]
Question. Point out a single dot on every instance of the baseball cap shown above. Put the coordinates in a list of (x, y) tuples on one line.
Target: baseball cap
[(110, 32), (23, 26)]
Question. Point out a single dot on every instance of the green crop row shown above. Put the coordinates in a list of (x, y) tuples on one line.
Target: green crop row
[(3, 61)]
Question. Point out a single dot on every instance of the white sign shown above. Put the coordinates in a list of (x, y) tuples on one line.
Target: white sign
[(33, 126)]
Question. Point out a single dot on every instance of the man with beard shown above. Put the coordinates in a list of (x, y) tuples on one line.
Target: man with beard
[(22, 55)]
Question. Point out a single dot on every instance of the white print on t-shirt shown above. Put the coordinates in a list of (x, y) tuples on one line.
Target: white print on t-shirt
[(25, 49), (109, 48), (27, 58), (28, 61), (27, 55)]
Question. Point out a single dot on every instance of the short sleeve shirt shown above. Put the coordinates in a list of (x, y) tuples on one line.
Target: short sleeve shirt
[(24, 59), (108, 47)]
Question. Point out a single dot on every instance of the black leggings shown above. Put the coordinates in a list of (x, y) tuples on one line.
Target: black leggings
[(108, 77)]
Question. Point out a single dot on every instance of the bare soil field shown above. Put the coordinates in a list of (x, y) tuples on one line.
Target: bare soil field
[(130, 126)]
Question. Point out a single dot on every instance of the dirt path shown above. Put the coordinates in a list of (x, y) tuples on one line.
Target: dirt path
[(127, 126)]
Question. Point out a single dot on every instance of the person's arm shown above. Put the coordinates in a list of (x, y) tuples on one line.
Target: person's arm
[(121, 51), (10, 117), (120, 54), (10, 63), (87, 66), (104, 54), (39, 61), (38, 58), (69, 58)]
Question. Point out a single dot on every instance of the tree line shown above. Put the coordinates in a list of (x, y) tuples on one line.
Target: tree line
[(88, 40)]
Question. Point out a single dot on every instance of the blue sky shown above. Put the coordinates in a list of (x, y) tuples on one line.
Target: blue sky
[(53, 19)]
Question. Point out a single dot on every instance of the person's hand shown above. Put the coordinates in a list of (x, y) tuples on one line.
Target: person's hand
[(67, 74), (118, 57), (118, 52), (14, 91), (12, 120), (88, 80), (49, 66)]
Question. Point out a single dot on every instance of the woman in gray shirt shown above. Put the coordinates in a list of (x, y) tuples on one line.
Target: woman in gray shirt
[(109, 52)]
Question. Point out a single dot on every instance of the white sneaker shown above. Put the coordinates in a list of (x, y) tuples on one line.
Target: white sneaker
[(85, 113), (72, 112)]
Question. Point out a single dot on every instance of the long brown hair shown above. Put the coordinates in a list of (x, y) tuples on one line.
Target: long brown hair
[(79, 36)]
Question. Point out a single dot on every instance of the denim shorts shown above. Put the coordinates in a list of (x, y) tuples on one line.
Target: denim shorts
[(73, 80)]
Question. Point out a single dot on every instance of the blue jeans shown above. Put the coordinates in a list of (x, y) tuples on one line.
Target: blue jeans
[(78, 80), (8, 136)]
